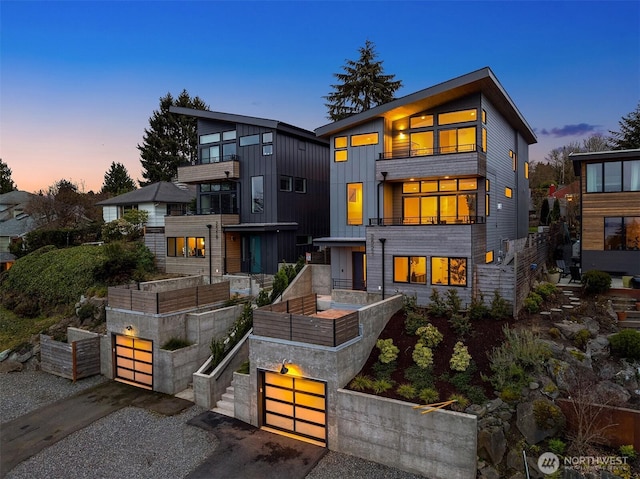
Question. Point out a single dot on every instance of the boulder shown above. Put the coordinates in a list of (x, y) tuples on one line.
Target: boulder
[(4, 354), (598, 348), (561, 373), (476, 410), (612, 392), (494, 404), (576, 356), (515, 460), (591, 324), (489, 472), (526, 423), (10, 366), (492, 444), (568, 328)]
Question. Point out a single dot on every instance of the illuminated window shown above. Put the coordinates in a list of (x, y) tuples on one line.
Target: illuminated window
[(484, 116), (526, 169), (428, 186), (410, 269), (422, 143), (508, 192), (487, 185), (622, 233), (411, 187), (484, 140), (457, 117), (487, 203), (340, 142), (421, 121), (449, 271), (454, 208), (514, 159), (195, 247), (488, 257), (461, 139), (468, 184), (340, 155), (211, 138), (354, 203), (364, 139)]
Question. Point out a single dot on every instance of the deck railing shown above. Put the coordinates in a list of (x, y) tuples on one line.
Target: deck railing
[(425, 220)]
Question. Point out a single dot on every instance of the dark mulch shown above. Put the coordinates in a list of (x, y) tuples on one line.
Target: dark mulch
[(485, 335)]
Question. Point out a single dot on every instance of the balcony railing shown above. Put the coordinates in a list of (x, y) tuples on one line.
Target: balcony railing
[(348, 284), (426, 220), (442, 150)]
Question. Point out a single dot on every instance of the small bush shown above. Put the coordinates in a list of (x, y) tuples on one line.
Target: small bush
[(460, 358), (460, 324), (476, 395), (581, 338), (361, 383), (429, 395), (554, 333), (477, 308), (407, 391), (429, 335), (263, 298), (381, 385), (547, 415), (86, 311), (423, 356), (532, 302), (437, 307), (414, 321), (460, 403), (510, 394), (384, 370), (175, 343), (628, 451), (499, 309), (546, 290), (388, 352), (409, 303), (626, 344), (557, 446), (596, 282), (454, 304), (419, 377)]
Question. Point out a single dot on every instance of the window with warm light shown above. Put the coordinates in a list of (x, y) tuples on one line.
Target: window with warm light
[(354, 204), (410, 269), (484, 140), (421, 143), (488, 257), (340, 142), (526, 169), (339, 155), (422, 202), (457, 117), (421, 121), (487, 205), (484, 116), (508, 192), (457, 140), (449, 271), (364, 139)]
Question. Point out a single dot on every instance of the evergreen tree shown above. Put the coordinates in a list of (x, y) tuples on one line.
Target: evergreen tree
[(628, 138), (544, 212), (117, 180), (6, 183), (170, 140), (362, 86)]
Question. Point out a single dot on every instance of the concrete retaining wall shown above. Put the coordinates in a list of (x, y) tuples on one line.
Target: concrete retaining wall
[(241, 394), (172, 370), (439, 445), (171, 284)]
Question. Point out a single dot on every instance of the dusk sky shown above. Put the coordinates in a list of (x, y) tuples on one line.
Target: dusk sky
[(79, 80)]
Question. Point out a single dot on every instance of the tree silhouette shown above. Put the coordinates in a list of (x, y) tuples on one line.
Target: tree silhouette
[(117, 180), (6, 183), (628, 137)]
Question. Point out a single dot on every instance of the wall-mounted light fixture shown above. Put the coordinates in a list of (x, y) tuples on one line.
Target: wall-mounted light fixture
[(284, 369), (129, 329)]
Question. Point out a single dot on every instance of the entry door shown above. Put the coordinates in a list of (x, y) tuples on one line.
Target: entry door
[(295, 405), (359, 262), (133, 361)]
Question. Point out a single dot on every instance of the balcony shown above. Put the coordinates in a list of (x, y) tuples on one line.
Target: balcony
[(426, 220), (458, 160), (227, 168)]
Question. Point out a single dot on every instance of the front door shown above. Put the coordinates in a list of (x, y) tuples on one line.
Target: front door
[(359, 262)]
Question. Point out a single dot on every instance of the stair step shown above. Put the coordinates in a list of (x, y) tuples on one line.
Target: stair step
[(629, 324), (225, 408), (228, 396)]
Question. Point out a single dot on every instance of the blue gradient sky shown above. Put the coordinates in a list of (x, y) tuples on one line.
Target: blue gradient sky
[(79, 80)]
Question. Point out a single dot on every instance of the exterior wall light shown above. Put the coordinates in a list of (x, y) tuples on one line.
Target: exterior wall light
[(284, 369)]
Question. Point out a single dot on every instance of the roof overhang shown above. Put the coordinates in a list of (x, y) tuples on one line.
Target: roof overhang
[(260, 227), (340, 241), (480, 81)]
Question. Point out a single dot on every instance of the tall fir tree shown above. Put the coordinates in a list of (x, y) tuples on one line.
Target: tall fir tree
[(170, 140), (117, 180), (628, 138), (6, 182), (362, 86)]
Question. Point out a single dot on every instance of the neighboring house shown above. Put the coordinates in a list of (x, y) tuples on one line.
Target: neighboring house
[(160, 200), (262, 196), (427, 187), (610, 210), (14, 223)]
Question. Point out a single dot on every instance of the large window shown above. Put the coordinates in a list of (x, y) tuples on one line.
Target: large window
[(410, 269), (440, 201), (456, 140), (613, 176), (354, 204), (364, 139), (186, 247), (449, 271), (249, 140), (218, 198), (622, 233), (457, 117), (221, 146), (421, 143), (257, 194)]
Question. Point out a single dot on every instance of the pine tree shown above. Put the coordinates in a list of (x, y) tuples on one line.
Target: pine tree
[(628, 138), (117, 180), (6, 183), (170, 140), (362, 86)]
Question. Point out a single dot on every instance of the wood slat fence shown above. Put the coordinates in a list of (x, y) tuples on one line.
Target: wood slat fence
[(292, 320), (76, 360), (130, 298)]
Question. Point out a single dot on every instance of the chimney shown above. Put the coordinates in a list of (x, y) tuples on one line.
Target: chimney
[(552, 190)]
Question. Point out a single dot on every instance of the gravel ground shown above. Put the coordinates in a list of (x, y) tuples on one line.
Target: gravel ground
[(152, 445)]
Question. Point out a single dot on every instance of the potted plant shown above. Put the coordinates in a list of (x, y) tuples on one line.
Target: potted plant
[(553, 275)]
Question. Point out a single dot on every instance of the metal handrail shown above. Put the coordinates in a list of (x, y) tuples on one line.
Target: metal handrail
[(426, 220), (441, 150)]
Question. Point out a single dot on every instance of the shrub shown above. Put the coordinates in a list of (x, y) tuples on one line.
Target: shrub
[(476, 395), (554, 333), (626, 344), (86, 311), (422, 355), (510, 394), (532, 302), (429, 395), (460, 402), (384, 370), (460, 324), (407, 391), (460, 358), (175, 343), (263, 298), (414, 321), (409, 303), (361, 383), (419, 377), (581, 338), (454, 304), (628, 451), (499, 307), (557, 446), (388, 352), (596, 282), (546, 290), (381, 385), (244, 368), (477, 308), (437, 306), (547, 415), (429, 335)]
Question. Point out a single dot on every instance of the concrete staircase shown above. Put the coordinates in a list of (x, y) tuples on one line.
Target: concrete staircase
[(226, 405), (628, 305)]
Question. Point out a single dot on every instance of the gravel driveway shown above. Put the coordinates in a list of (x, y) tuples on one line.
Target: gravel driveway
[(134, 442)]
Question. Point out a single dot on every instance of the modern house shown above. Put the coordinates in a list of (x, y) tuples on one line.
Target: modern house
[(160, 200), (428, 188), (262, 197), (610, 210), (14, 223)]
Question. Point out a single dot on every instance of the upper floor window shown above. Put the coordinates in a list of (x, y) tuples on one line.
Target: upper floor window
[(484, 140), (228, 135), (526, 169), (462, 116), (354, 204), (267, 137), (508, 192), (340, 142), (484, 116), (257, 194), (458, 139), (210, 138), (300, 185), (613, 176), (488, 257), (249, 140), (421, 143), (267, 150), (286, 183), (340, 155), (421, 121), (364, 139)]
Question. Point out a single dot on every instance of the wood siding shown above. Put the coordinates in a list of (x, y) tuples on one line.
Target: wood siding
[(77, 360), (209, 172)]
